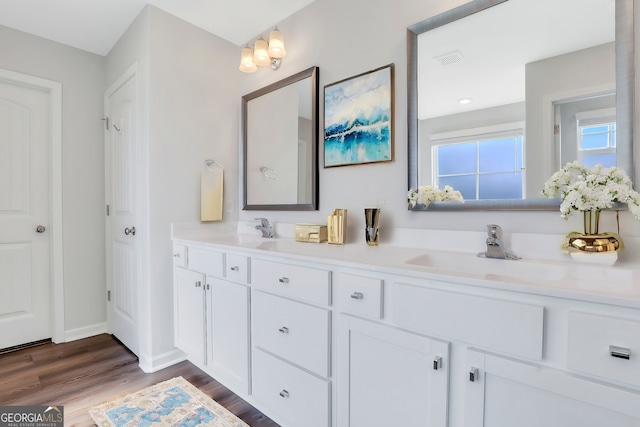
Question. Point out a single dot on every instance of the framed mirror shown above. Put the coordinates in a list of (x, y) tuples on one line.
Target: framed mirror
[(280, 144), (567, 52)]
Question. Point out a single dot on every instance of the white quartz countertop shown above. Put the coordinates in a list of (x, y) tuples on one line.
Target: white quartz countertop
[(617, 284)]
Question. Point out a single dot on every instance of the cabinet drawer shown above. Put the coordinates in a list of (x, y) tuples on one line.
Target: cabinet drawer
[(205, 261), (238, 268), (598, 346), (292, 330), (358, 295), (179, 256), (298, 397), (309, 284), (506, 326)]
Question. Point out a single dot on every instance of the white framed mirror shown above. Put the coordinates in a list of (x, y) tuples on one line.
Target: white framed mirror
[(514, 100), (280, 144)]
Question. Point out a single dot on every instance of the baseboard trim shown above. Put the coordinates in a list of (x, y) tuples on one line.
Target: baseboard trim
[(164, 360), (85, 332)]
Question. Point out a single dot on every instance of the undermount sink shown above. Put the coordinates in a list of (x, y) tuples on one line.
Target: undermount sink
[(490, 267)]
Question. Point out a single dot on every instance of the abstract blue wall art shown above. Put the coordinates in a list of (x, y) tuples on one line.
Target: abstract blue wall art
[(358, 114)]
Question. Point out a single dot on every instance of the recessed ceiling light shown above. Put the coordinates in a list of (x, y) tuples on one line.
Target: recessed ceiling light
[(464, 100)]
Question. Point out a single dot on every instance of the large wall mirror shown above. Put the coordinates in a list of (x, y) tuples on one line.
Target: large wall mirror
[(280, 141), (502, 93)]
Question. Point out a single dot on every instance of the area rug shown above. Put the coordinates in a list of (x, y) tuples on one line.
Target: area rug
[(175, 403)]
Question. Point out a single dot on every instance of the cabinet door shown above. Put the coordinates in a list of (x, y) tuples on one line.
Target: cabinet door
[(390, 377), (229, 316), (190, 327), (507, 393)]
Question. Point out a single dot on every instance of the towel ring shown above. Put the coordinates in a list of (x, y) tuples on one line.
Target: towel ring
[(209, 163)]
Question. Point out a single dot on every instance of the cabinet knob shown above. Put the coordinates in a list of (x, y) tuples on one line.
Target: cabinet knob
[(235, 268), (283, 280), (473, 374), (284, 330), (437, 363), (284, 393), (357, 295), (176, 255), (620, 352)]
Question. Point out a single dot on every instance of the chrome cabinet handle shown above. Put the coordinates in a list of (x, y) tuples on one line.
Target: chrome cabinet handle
[(473, 374), (235, 268), (283, 280), (131, 231), (198, 284), (620, 352), (176, 255), (357, 295), (40, 229), (284, 393), (284, 330), (437, 363)]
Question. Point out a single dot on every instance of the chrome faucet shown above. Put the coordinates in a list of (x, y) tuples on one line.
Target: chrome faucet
[(495, 244), (265, 227)]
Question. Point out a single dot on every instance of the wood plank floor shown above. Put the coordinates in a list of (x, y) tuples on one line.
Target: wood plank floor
[(88, 372)]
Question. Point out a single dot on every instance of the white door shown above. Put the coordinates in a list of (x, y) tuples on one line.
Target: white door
[(122, 204), (25, 275)]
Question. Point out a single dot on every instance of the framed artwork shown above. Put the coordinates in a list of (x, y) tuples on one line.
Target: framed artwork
[(358, 119)]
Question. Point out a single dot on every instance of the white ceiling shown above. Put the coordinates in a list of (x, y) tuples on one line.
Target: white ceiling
[(497, 43), (96, 25)]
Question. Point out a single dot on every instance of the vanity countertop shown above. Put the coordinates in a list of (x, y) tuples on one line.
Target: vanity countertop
[(616, 285)]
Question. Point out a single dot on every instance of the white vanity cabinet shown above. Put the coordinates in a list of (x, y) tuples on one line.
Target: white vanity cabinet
[(388, 376), (508, 392), (291, 339), (319, 343), (211, 300)]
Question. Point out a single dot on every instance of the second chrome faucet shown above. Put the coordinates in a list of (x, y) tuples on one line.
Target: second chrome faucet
[(495, 245)]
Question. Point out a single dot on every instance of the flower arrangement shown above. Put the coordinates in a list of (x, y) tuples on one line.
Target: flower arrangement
[(426, 194), (591, 189)]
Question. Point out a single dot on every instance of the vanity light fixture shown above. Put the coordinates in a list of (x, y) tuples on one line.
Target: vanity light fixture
[(263, 53)]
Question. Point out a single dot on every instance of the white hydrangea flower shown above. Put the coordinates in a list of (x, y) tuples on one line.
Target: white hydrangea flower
[(426, 194), (584, 189)]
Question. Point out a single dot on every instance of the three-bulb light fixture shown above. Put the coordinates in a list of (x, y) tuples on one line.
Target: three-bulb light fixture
[(264, 54)]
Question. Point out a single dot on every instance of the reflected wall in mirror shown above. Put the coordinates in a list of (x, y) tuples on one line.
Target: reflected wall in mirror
[(280, 144), (502, 93)]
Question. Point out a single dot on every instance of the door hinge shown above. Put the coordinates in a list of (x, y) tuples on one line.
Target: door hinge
[(556, 129), (107, 210), (108, 296), (106, 122)]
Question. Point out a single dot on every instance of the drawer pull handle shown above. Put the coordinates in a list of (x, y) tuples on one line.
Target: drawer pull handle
[(620, 352), (235, 268), (284, 330), (283, 280), (437, 363), (357, 295), (284, 393), (198, 284), (473, 374)]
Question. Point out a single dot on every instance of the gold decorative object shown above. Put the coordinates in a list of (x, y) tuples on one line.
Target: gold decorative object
[(591, 241), (337, 227), (372, 223)]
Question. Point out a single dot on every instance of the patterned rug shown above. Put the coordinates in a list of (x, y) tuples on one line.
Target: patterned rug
[(175, 403)]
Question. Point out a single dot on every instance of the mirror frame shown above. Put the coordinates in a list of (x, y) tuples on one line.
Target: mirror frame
[(312, 73), (625, 80)]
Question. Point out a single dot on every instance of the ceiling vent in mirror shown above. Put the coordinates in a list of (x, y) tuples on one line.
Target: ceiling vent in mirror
[(449, 58)]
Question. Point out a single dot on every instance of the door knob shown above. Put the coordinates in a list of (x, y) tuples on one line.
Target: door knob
[(40, 229), (131, 231)]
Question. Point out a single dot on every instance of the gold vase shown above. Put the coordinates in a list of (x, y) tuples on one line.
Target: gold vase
[(591, 241)]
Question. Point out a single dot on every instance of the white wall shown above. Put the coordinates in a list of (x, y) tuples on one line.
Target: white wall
[(345, 38), (82, 78)]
